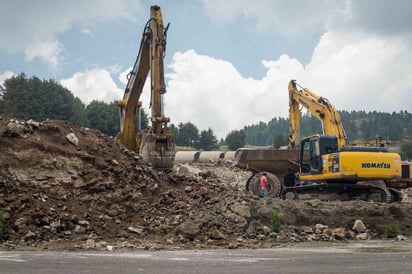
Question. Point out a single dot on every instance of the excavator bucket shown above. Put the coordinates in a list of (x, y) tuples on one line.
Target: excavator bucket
[(160, 152)]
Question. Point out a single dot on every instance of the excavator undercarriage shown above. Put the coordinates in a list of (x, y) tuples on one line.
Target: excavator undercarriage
[(342, 192), (375, 191)]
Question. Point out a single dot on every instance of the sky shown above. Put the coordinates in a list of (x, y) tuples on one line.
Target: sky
[(228, 63)]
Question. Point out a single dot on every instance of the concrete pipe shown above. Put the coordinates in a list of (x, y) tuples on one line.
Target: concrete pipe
[(210, 156), (186, 156), (230, 155)]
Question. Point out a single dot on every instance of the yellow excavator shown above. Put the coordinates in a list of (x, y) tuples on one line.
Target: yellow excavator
[(154, 144), (328, 168), (332, 168)]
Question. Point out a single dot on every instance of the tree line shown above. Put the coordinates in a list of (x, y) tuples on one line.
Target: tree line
[(360, 126), (32, 98)]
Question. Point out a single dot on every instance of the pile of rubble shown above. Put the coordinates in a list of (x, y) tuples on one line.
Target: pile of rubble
[(67, 187)]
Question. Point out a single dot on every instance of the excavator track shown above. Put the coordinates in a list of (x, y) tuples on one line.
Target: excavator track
[(339, 191), (396, 195)]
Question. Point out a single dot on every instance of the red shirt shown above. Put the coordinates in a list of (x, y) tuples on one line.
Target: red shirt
[(263, 182)]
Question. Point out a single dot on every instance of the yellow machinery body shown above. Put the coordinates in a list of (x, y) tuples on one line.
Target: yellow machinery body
[(350, 164)]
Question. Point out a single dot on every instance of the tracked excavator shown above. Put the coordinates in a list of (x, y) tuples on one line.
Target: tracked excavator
[(154, 144), (334, 169), (329, 169)]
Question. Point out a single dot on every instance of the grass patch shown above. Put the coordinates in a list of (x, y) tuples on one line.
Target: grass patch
[(274, 220), (181, 148), (391, 230)]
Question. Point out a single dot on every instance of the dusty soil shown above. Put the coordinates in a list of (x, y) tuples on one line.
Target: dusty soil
[(93, 194)]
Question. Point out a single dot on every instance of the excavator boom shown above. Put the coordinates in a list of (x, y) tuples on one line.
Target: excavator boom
[(154, 144), (319, 107)]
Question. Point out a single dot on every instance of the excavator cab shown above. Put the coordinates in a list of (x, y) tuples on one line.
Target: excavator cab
[(312, 149)]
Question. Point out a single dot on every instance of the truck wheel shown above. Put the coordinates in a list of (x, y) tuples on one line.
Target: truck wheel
[(274, 186)]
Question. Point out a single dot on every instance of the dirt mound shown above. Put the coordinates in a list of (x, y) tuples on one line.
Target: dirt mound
[(64, 186)]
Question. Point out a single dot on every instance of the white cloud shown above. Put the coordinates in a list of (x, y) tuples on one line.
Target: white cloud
[(354, 74), (5, 75), (212, 93), (293, 16), (296, 16), (32, 25), (114, 69), (362, 73), (355, 65), (387, 18), (88, 32), (96, 84), (49, 52), (123, 75)]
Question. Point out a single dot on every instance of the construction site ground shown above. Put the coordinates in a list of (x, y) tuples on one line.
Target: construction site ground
[(65, 187)]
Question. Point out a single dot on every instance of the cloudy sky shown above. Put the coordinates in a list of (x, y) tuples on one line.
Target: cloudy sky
[(228, 62)]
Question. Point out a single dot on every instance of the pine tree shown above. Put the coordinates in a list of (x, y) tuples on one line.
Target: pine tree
[(235, 139), (207, 140), (188, 135)]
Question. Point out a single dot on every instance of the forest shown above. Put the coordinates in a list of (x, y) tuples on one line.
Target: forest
[(360, 126), (32, 98)]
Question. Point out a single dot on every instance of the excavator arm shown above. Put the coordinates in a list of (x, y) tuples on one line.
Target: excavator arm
[(154, 144), (319, 107)]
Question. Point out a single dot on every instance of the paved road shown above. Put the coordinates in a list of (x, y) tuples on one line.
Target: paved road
[(372, 257)]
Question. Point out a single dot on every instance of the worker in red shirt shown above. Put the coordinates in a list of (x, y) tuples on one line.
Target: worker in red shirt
[(264, 185)]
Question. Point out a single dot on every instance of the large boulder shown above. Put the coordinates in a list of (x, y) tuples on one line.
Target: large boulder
[(188, 229)]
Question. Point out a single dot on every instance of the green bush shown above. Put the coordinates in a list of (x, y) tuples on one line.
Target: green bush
[(274, 220), (391, 230)]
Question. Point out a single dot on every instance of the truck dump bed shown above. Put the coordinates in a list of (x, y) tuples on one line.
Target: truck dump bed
[(276, 161)]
